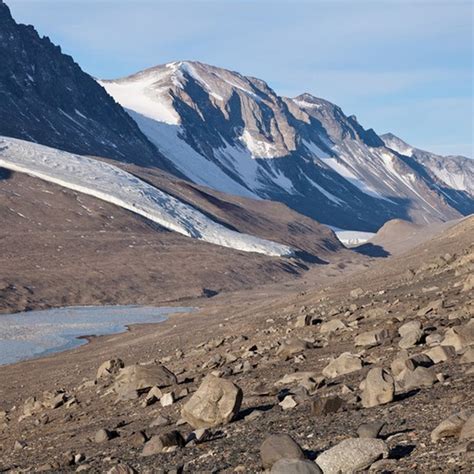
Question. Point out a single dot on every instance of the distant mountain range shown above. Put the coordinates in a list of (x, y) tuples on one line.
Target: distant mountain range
[(228, 132)]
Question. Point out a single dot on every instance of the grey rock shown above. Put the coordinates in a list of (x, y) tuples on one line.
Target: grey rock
[(371, 429), (295, 466), (351, 455), (163, 443), (279, 446)]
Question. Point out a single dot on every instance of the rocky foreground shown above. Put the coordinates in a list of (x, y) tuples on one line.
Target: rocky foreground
[(374, 373)]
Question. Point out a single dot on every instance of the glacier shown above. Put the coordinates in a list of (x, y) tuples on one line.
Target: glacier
[(114, 185)]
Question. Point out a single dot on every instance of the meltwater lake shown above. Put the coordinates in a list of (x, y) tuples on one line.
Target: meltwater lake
[(37, 333)]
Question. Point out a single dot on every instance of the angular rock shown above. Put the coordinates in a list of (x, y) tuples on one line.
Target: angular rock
[(291, 348), (279, 446), (459, 337), (167, 399), (295, 466), (441, 353), (325, 405), (411, 334), (450, 427), (288, 403), (164, 443), (344, 364), (371, 338), (332, 326), (356, 293), (109, 367), (216, 402), (468, 356), (308, 380), (351, 455), (378, 388), (140, 377), (421, 377), (467, 431), (371, 429)]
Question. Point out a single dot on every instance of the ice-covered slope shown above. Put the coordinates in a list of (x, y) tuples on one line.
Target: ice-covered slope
[(112, 184), (235, 134)]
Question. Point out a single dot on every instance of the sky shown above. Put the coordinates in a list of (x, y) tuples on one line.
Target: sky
[(404, 66)]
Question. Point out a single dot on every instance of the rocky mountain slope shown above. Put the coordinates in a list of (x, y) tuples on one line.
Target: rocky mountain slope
[(369, 372), (60, 247), (235, 134), (455, 174), (45, 97)]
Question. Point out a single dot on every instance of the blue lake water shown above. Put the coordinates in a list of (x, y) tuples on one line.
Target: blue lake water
[(38, 333)]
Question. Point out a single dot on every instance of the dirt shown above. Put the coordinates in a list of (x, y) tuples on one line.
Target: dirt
[(392, 292)]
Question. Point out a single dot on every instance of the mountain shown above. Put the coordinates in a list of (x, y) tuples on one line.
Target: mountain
[(46, 98), (235, 134), (455, 174)]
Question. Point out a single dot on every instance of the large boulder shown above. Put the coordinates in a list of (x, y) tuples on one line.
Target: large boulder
[(142, 377), (216, 402), (378, 388), (351, 455), (344, 364), (279, 446)]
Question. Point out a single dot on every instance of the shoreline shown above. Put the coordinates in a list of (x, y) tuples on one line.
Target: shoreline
[(74, 342)]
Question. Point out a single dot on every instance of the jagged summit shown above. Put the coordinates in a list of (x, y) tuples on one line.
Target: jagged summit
[(236, 134), (45, 97)]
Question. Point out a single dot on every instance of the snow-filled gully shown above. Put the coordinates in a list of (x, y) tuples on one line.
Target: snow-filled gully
[(113, 185)]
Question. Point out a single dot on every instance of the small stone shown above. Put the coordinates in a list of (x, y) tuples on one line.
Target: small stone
[(332, 326), (164, 443), (450, 426), (279, 446), (167, 399), (19, 445), (103, 435), (160, 421), (325, 405), (295, 466), (291, 348), (288, 403), (344, 364), (371, 429), (356, 293), (351, 455)]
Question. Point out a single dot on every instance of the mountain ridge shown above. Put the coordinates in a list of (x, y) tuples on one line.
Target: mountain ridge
[(236, 134)]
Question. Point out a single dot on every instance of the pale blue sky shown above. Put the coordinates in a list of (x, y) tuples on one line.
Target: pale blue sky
[(401, 66)]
